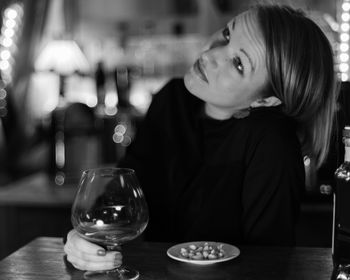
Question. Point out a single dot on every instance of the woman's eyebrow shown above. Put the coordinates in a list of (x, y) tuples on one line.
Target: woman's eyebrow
[(233, 24), (249, 59), (242, 50)]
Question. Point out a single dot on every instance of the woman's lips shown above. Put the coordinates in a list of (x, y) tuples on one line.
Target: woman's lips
[(198, 69)]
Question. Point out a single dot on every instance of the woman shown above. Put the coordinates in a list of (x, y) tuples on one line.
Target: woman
[(220, 153)]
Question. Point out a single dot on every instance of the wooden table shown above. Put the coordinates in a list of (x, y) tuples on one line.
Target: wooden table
[(43, 259)]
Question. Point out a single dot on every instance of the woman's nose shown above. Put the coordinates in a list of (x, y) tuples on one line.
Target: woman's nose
[(208, 58)]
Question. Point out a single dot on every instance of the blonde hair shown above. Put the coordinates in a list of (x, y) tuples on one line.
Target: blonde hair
[(301, 74)]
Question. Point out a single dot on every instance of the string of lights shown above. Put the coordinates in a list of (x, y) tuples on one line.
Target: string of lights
[(344, 40), (10, 31)]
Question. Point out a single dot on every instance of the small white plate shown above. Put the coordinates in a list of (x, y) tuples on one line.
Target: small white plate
[(231, 252)]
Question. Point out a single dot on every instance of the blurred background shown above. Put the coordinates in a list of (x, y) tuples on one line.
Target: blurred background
[(76, 78)]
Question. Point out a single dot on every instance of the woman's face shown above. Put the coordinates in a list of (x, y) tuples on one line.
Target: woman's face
[(231, 73)]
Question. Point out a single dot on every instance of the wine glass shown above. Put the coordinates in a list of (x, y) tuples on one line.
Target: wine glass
[(110, 209)]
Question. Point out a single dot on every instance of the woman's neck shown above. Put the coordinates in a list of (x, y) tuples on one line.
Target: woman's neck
[(219, 113), (216, 113)]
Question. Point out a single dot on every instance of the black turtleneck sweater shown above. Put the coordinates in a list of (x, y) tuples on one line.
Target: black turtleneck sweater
[(235, 180)]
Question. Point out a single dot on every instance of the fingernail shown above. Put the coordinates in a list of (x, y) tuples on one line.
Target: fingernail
[(101, 252), (117, 263), (117, 260)]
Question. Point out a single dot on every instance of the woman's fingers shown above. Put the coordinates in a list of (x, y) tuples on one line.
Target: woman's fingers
[(91, 265), (85, 255), (108, 257), (75, 241)]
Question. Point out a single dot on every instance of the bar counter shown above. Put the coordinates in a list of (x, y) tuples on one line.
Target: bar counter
[(31, 207), (43, 259)]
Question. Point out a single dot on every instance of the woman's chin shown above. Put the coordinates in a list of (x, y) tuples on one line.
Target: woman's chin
[(192, 81), (188, 80)]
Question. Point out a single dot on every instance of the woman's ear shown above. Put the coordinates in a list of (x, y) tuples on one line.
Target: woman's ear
[(266, 102)]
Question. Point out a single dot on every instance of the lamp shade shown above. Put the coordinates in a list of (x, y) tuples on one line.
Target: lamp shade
[(63, 57)]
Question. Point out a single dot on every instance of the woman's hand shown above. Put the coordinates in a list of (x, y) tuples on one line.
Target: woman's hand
[(85, 255)]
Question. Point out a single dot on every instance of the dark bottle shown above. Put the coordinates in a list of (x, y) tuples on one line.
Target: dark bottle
[(341, 210), (100, 79), (75, 143)]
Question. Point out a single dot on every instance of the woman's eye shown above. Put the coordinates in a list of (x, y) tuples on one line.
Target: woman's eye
[(226, 34), (238, 64)]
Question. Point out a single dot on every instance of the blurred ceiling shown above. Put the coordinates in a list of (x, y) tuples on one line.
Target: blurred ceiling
[(131, 9)]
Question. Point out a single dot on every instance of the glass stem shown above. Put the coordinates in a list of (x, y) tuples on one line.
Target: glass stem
[(114, 248)]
